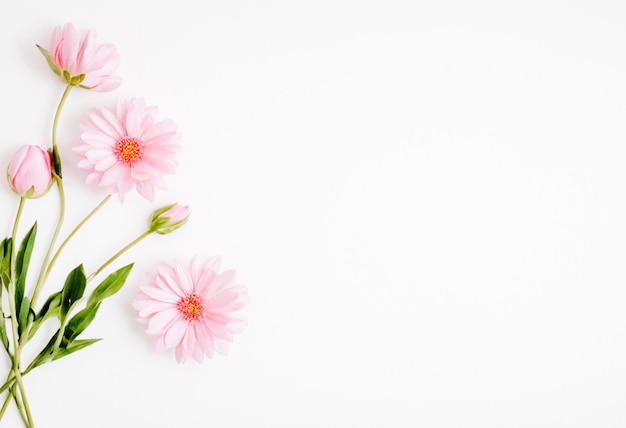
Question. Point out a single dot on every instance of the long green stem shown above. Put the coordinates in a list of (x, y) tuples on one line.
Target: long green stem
[(73, 232), (7, 383), (20, 406), (43, 273), (5, 405), (13, 311), (29, 416), (119, 253), (57, 115)]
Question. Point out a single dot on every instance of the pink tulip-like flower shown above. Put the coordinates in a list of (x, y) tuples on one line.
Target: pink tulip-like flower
[(192, 308), (30, 171), (82, 62), (127, 147), (169, 218)]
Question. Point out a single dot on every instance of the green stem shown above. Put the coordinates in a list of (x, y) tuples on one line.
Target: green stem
[(19, 405), (29, 416), (13, 310), (71, 235), (43, 273), (10, 381), (9, 394), (57, 115), (5, 405), (119, 253)]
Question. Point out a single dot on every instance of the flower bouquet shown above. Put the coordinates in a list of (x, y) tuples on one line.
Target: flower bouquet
[(192, 307)]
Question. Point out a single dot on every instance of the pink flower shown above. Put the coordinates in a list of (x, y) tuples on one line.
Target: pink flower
[(80, 61), (127, 147), (30, 171), (192, 308), (169, 218)]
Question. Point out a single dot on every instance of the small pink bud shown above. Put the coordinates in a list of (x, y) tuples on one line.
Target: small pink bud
[(30, 171), (177, 213), (169, 218)]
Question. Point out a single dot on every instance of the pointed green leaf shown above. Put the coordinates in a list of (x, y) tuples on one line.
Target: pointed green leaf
[(56, 162), (111, 285), (22, 318), (51, 307), (76, 345), (3, 332), (45, 354), (49, 60), (52, 303), (73, 289), (78, 323), (5, 265), (21, 264)]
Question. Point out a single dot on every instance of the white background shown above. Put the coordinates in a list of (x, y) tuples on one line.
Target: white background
[(427, 201)]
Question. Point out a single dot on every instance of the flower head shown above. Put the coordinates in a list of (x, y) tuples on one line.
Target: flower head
[(30, 171), (169, 218), (127, 147), (80, 61), (192, 308)]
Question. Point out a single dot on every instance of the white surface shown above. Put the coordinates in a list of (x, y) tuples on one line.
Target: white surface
[(425, 199)]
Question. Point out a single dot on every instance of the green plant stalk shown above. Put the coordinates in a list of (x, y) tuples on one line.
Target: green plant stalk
[(43, 273), (41, 279), (13, 311), (119, 253), (5, 405), (57, 115), (18, 343), (20, 406), (72, 233)]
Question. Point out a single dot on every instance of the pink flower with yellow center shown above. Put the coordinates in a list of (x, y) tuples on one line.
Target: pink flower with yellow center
[(80, 61), (128, 147), (192, 308)]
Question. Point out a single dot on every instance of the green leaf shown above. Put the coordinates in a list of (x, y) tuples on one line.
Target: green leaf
[(78, 323), (111, 285), (22, 318), (5, 264), (3, 332), (52, 304), (49, 60), (51, 307), (73, 289), (45, 354), (21, 264), (76, 345), (56, 162)]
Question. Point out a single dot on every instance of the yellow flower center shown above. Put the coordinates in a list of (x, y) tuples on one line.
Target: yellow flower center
[(128, 150), (191, 307)]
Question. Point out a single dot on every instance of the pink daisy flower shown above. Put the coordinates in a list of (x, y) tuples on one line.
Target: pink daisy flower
[(192, 308), (80, 61), (127, 147)]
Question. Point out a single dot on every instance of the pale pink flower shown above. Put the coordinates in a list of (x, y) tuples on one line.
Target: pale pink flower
[(127, 147), (192, 308), (80, 61), (30, 171)]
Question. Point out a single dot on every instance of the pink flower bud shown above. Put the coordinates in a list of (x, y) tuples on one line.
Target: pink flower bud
[(169, 218), (30, 171)]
